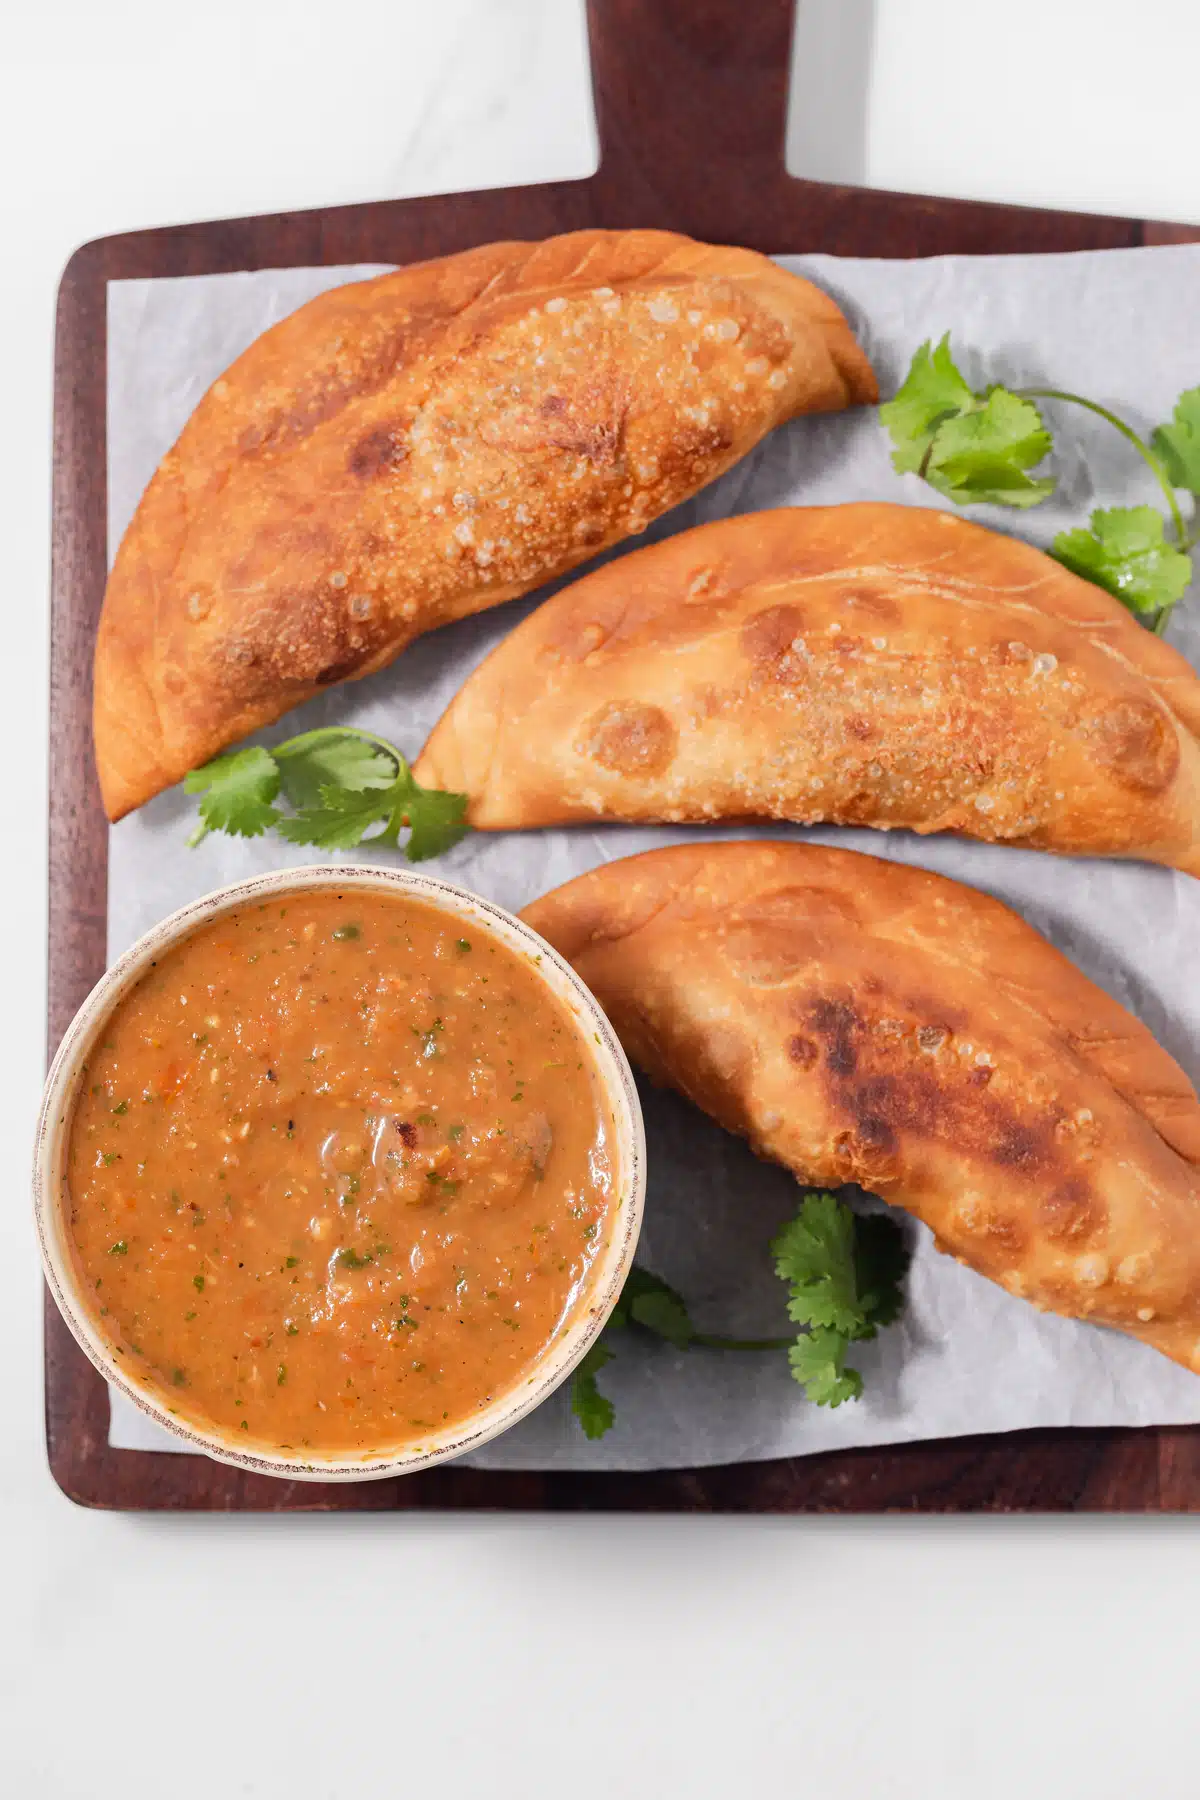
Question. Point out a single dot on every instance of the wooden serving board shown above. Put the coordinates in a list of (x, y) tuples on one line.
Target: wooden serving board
[(691, 98)]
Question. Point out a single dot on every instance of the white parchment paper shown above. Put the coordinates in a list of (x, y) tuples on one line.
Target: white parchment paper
[(1118, 326)]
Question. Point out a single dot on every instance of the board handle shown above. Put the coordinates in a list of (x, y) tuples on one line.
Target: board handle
[(691, 102)]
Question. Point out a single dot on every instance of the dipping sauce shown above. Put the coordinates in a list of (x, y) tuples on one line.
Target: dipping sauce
[(338, 1172)]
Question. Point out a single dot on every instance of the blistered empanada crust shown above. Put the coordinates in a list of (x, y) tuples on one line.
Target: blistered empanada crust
[(864, 664), (862, 1021), (406, 450)]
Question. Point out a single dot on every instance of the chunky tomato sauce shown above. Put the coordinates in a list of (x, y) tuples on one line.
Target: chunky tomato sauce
[(338, 1172)]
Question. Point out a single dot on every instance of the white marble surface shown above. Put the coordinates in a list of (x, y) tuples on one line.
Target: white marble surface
[(318, 1659)]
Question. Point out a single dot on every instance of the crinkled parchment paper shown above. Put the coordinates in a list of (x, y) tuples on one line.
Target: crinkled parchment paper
[(1119, 326)]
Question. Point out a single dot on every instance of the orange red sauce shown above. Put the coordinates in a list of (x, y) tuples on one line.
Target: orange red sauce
[(338, 1171)]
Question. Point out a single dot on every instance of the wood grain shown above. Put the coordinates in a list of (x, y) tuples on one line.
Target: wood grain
[(691, 99)]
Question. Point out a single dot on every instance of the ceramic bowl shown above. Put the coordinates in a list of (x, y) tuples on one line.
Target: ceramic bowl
[(608, 1272)]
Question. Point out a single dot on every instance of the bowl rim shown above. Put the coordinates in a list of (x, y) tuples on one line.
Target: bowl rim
[(556, 1362)]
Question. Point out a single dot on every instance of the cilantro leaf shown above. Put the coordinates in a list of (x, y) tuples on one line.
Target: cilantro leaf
[(983, 455), (341, 782), (846, 1278), (1178, 444), (341, 818), (649, 1302), (594, 1410), (818, 1363), (1124, 550), (814, 1253), (436, 820), (973, 446), (970, 447), (331, 758), (237, 792), (933, 391)]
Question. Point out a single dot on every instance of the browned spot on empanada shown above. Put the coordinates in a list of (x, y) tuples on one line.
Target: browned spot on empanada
[(1072, 1212), (324, 643), (321, 398), (1139, 743), (1019, 1145), (632, 739), (867, 1153), (877, 1082), (879, 607), (767, 637), (1003, 1230), (588, 423), (376, 452), (837, 1025), (691, 446)]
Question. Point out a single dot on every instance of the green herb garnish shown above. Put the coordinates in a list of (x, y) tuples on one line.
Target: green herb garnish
[(1125, 551), (441, 1182), (339, 782), (976, 446), (845, 1272)]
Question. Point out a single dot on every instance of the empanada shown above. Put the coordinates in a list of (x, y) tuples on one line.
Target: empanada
[(866, 664), (406, 450), (862, 1021)]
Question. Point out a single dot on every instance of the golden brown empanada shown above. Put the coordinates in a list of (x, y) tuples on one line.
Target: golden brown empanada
[(406, 450), (862, 1021), (867, 665)]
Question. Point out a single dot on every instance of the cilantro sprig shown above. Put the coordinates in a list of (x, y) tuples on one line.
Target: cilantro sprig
[(845, 1277), (975, 446), (339, 784), (845, 1274)]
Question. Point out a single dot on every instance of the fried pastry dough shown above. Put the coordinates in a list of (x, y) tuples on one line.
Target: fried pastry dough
[(865, 664), (862, 1021), (410, 449)]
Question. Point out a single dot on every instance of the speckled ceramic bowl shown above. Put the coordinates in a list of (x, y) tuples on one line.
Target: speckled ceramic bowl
[(612, 1265)]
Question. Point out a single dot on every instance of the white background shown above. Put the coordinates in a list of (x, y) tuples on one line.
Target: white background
[(678, 1657)]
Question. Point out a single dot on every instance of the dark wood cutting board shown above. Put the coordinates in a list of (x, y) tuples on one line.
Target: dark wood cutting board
[(691, 98)]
